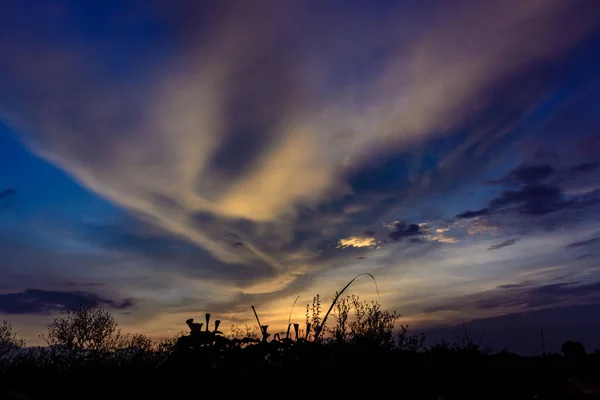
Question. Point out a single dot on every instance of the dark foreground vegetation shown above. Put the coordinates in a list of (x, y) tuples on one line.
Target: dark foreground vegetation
[(360, 354)]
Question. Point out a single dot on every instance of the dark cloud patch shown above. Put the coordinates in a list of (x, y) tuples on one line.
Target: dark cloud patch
[(584, 243), (541, 200), (516, 285), (402, 230), (526, 175), (125, 304), (525, 296), (36, 301), (586, 167), (369, 233), (537, 190), (531, 200), (552, 294), (472, 214), (6, 193), (506, 243)]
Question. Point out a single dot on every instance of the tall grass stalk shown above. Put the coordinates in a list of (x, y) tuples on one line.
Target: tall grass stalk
[(258, 321), (292, 309), (320, 328)]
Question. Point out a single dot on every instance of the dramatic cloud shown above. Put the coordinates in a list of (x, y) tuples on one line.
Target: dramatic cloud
[(244, 138), (36, 301)]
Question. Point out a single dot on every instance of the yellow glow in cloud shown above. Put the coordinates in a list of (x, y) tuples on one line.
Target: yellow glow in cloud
[(291, 173), (356, 241), (438, 235)]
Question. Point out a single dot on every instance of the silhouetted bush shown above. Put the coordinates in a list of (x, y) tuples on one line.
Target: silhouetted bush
[(87, 333), (9, 342), (573, 350)]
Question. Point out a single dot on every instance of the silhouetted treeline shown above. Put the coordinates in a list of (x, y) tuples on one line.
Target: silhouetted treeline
[(358, 353)]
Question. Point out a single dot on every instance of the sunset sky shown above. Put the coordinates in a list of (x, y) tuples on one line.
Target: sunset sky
[(167, 158)]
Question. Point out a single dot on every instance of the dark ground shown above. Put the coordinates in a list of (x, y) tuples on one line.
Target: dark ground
[(309, 370)]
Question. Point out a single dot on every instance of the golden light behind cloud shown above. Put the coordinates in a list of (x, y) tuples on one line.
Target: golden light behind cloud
[(356, 241)]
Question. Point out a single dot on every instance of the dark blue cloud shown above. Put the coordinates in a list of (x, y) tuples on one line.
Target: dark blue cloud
[(472, 214), (526, 175), (37, 301), (531, 200), (402, 230), (586, 167), (535, 190)]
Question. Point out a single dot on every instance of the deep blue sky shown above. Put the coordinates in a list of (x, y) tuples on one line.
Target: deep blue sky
[(168, 158)]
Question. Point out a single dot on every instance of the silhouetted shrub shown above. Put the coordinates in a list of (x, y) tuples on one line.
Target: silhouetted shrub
[(368, 325), (9, 342), (573, 350), (87, 333), (411, 343)]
